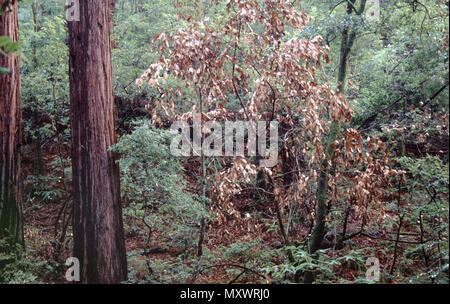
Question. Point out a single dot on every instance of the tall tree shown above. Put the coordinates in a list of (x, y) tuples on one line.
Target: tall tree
[(98, 229), (318, 233), (10, 128)]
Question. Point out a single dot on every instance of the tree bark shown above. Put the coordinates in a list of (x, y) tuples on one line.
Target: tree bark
[(98, 228), (10, 132), (318, 233), (38, 159)]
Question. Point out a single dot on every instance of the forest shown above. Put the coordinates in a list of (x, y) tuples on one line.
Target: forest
[(224, 141)]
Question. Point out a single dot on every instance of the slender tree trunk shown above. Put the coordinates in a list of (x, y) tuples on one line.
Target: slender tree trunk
[(10, 132), (202, 160), (38, 159), (318, 233), (98, 229)]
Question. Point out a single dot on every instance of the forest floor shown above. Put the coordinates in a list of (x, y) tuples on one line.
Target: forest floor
[(48, 232), (47, 242)]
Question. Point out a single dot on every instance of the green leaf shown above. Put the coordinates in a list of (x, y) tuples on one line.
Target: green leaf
[(4, 40), (12, 47), (4, 70), (9, 45)]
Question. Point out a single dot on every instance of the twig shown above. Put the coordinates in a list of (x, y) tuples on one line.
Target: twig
[(268, 280)]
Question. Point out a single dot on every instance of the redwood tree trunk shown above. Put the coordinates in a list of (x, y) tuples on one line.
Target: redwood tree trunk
[(10, 131), (98, 229)]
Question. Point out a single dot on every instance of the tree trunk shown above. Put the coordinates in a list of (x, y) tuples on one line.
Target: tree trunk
[(10, 132), (318, 232), (38, 161), (98, 229)]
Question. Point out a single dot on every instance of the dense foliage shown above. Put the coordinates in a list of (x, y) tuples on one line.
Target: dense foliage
[(374, 150)]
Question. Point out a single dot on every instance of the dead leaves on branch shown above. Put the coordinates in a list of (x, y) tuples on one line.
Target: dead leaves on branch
[(249, 58)]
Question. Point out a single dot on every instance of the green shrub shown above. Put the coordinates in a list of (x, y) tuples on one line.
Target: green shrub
[(165, 213)]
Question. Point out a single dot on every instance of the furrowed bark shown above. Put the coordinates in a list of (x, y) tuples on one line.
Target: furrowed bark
[(98, 229), (10, 132)]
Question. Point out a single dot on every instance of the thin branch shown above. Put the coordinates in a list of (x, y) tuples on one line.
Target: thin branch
[(435, 94), (264, 276), (334, 7)]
